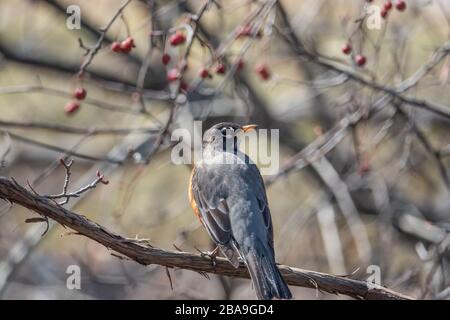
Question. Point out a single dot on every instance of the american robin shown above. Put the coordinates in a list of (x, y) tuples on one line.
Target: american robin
[(227, 194)]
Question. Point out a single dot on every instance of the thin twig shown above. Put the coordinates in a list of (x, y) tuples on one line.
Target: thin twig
[(93, 51), (68, 195)]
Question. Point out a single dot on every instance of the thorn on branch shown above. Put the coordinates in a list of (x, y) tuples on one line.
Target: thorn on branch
[(47, 227), (209, 255), (170, 278), (72, 233), (351, 274), (121, 257), (31, 188), (176, 247)]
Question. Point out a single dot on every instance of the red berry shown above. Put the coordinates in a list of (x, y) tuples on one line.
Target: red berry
[(79, 93), (177, 38), (125, 49), (173, 75), (243, 31), (239, 64), (71, 107), (347, 48), (360, 60), (184, 86), (384, 13), (130, 41), (364, 167), (263, 71), (165, 59), (127, 44), (400, 5), (203, 73), (221, 68), (387, 5), (115, 46)]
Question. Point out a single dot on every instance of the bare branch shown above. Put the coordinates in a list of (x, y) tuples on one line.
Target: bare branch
[(59, 149), (67, 195), (146, 255), (30, 125)]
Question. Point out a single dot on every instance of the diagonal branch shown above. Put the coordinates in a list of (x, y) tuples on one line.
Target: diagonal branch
[(145, 254), (93, 51)]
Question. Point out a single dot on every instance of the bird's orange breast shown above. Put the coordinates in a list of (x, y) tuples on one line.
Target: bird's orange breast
[(191, 197)]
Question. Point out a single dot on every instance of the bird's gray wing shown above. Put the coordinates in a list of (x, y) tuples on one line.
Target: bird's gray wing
[(255, 179), (210, 193)]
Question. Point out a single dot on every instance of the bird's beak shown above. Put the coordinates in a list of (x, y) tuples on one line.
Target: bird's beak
[(249, 127)]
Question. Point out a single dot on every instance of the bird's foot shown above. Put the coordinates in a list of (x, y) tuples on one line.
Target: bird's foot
[(211, 255)]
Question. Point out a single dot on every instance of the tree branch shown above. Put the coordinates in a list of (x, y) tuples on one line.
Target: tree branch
[(145, 254), (60, 149)]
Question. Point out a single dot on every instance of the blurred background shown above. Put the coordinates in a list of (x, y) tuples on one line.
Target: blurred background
[(363, 187)]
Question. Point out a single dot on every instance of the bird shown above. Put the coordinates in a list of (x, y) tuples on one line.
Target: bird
[(227, 193)]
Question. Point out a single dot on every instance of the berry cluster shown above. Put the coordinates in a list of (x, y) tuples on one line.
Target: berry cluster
[(220, 68), (360, 59), (125, 46), (72, 106), (400, 5), (176, 73)]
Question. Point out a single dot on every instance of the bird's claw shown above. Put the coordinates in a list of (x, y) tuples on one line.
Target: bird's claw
[(211, 255)]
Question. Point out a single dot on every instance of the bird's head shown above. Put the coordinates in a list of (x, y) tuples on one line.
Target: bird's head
[(225, 136)]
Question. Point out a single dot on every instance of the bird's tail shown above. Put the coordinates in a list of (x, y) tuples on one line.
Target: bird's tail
[(265, 275)]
